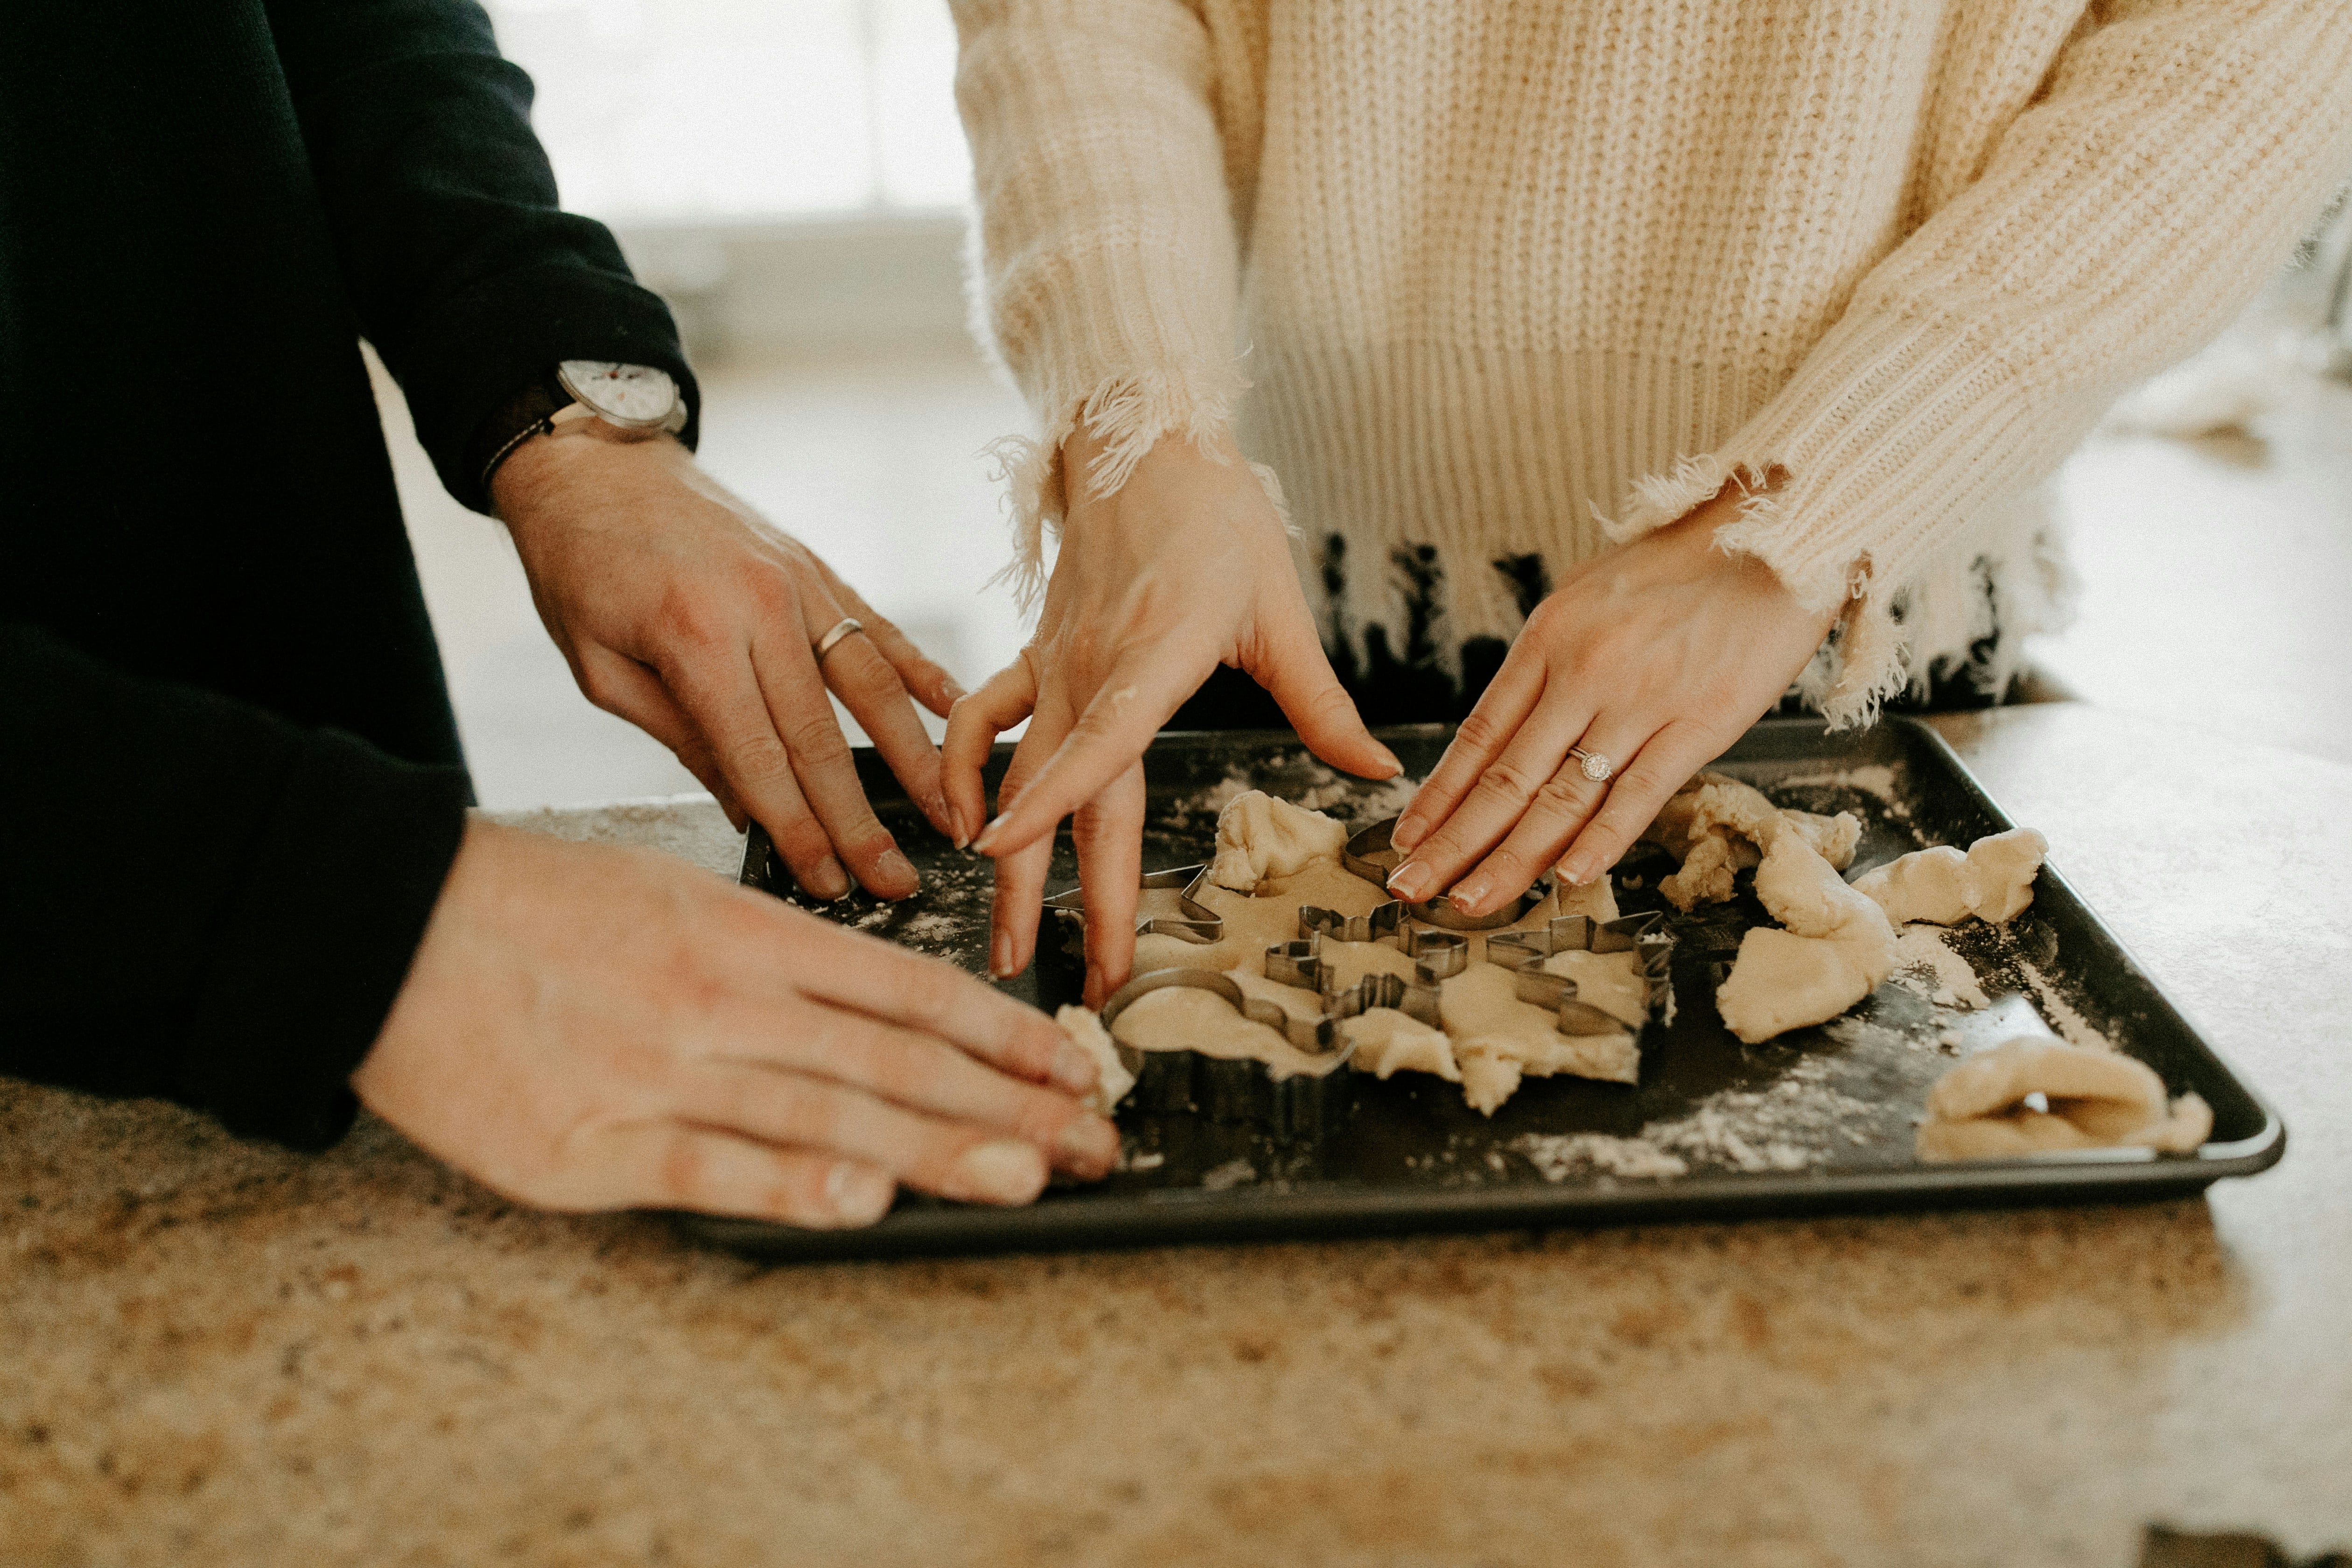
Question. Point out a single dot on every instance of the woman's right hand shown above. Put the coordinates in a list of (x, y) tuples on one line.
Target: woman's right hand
[(588, 1027), (1184, 567)]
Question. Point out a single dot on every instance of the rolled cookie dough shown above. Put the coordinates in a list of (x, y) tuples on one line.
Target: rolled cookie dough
[(1288, 857), (1979, 1109), (1837, 947), (1993, 881)]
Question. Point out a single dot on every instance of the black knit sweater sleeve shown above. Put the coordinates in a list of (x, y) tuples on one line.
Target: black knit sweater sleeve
[(468, 278), (202, 901)]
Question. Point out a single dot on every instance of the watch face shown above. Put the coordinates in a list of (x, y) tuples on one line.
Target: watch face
[(632, 395)]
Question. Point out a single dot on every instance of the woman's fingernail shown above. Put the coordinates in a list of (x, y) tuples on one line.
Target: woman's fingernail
[(1004, 1172), (1072, 1069), (826, 879), (958, 833), (1469, 895), (1410, 882), (1409, 831), (954, 691), (1000, 956), (1089, 1142), (988, 835), (892, 866), (1390, 758), (1578, 869), (858, 1194)]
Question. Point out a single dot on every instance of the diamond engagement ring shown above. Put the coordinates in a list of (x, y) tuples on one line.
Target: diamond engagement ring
[(1596, 767), (824, 645)]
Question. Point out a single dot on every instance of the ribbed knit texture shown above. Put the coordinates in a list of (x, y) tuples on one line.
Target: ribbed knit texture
[(1518, 279)]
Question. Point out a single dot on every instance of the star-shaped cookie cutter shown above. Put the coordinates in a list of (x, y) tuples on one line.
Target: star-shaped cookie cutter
[(1644, 935), (1194, 921)]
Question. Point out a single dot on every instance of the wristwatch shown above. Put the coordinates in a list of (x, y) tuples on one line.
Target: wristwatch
[(633, 398)]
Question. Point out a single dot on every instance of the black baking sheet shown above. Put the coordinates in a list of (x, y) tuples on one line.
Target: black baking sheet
[(1819, 1118)]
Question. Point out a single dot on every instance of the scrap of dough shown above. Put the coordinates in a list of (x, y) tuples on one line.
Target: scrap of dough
[(1993, 881), (1387, 1041), (1977, 1110), (1717, 827), (1084, 1028), (1833, 839), (1260, 836), (1836, 950)]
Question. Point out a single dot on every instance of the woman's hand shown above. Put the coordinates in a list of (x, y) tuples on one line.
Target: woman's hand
[(1187, 566), (1656, 657), (682, 610), (586, 1028)]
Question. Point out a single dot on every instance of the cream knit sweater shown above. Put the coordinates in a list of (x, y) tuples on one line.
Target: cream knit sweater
[(1521, 277)]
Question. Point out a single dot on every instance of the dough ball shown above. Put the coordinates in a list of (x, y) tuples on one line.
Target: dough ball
[(1260, 836), (1083, 1027)]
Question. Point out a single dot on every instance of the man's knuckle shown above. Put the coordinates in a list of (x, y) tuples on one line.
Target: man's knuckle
[(816, 739)]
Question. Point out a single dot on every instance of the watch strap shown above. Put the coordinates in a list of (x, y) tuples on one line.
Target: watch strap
[(533, 411)]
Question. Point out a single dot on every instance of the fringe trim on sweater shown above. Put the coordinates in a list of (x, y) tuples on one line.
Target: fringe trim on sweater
[(1129, 414), (1966, 611)]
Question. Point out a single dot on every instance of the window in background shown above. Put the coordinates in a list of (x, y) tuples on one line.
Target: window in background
[(674, 113)]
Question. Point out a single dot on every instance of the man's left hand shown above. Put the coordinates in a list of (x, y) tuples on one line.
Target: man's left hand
[(683, 611)]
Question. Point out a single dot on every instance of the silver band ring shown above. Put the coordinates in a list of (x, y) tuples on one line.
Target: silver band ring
[(1596, 767), (826, 644)]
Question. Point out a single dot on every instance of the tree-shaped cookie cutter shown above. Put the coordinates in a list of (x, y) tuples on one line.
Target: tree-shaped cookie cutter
[(1644, 935)]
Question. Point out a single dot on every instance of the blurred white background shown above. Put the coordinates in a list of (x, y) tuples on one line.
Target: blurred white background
[(792, 174), (670, 112)]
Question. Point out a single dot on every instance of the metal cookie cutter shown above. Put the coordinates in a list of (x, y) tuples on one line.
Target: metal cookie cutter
[(1194, 921), (1369, 854), (1301, 1106), (1644, 935), (1436, 955)]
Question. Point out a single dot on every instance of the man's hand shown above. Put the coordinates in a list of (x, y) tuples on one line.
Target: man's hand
[(684, 612), (1186, 567), (586, 1028), (1657, 655)]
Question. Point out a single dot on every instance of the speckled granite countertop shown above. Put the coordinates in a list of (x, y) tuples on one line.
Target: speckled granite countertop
[(216, 1353)]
